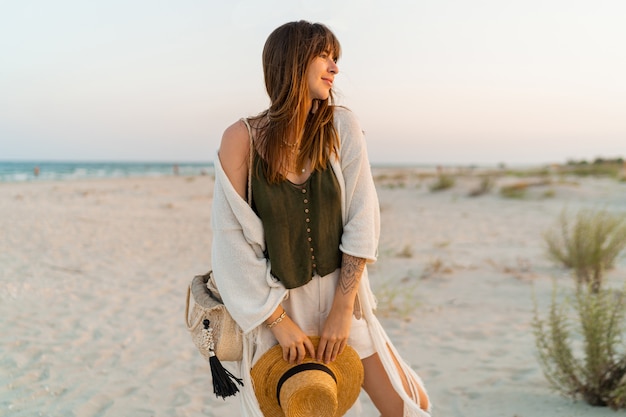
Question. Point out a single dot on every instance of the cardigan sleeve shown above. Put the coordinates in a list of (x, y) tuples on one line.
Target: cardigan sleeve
[(361, 229), (241, 271)]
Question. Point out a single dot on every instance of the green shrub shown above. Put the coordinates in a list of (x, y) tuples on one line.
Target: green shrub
[(397, 299), (600, 167), (443, 182), (589, 245), (486, 185), (406, 252), (599, 377), (517, 190)]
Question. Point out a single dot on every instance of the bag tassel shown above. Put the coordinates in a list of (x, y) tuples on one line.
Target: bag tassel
[(223, 381)]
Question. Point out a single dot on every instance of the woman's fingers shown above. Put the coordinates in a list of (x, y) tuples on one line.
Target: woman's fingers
[(298, 351), (321, 348), (328, 353), (301, 352), (310, 348), (293, 353), (337, 349), (328, 350)]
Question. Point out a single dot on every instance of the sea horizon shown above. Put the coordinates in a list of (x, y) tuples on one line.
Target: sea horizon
[(37, 170)]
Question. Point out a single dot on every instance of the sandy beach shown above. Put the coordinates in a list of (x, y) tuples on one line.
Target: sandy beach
[(93, 277)]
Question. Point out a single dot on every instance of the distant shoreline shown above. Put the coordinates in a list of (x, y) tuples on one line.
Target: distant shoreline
[(27, 171)]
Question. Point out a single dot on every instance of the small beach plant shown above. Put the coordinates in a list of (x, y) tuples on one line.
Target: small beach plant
[(589, 244), (443, 182), (586, 361), (600, 167), (406, 252), (397, 299), (486, 185), (515, 191)]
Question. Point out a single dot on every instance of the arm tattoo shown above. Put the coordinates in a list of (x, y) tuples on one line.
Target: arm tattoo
[(351, 271)]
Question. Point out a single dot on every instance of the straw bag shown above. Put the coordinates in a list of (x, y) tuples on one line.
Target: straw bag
[(212, 328), (214, 332)]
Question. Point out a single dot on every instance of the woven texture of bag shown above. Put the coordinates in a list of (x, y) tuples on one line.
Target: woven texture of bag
[(227, 335)]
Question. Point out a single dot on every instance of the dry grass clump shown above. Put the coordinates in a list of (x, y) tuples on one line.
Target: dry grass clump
[(406, 252), (599, 377), (443, 182), (397, 300), (589, 245), (543, 172), (435, 268), (522, 270), (486, 185), (397, 179), (600, 167), (517, 190)]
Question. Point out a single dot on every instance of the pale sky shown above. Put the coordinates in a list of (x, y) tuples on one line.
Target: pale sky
[(433, 82)]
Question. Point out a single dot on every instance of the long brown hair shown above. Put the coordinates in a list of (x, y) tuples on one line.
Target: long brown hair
[(287, 54)]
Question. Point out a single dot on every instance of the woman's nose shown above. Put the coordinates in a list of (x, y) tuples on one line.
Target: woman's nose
[(333, 67)]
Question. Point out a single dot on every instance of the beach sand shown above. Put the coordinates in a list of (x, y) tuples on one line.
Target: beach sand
[(93, 277)]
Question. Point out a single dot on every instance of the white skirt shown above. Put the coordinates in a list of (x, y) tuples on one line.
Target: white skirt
[(308, 306)]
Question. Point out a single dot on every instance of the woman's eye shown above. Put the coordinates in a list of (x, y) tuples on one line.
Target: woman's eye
[(326, 55)]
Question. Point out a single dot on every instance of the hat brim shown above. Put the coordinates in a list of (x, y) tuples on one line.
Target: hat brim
[(268, 370)]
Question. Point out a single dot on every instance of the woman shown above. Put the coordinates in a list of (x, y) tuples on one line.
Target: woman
[(293, 264)]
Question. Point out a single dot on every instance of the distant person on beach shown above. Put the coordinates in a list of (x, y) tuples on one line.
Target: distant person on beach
[(36, 171), (292, 265)]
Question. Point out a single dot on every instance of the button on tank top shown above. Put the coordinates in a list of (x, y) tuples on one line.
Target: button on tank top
[(302, 224)]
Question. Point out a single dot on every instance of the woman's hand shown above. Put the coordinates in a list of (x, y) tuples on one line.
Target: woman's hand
[(335, 333), (295, 343)]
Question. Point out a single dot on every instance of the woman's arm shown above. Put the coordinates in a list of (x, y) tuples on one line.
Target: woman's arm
[(359, 241), (337, 327)]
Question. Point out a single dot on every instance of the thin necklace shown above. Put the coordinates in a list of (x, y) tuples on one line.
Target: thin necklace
[(293, 146), (294, 149)]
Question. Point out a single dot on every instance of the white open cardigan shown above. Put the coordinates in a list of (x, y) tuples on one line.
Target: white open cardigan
[(242, 273)]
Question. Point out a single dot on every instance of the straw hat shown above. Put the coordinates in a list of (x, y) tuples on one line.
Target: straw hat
[(311, 388)]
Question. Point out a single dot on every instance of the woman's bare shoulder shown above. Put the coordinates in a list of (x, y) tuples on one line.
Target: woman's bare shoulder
[(235, 144), (234, 154)]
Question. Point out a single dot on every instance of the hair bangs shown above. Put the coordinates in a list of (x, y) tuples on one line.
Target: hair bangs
[(325, 41)]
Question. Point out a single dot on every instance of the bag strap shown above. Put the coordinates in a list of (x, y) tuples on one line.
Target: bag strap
[(250, 160)]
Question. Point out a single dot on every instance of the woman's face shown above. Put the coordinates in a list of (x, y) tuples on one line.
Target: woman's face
[(321, 75)]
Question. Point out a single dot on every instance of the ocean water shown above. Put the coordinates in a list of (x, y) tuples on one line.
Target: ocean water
[(13, 171)]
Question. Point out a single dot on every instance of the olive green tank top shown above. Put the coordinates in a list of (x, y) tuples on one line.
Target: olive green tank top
[(302, 224)]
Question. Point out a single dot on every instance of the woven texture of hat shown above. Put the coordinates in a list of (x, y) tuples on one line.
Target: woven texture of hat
[(310, 392)]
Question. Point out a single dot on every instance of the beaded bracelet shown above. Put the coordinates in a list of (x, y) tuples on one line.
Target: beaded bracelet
[(278, 320)]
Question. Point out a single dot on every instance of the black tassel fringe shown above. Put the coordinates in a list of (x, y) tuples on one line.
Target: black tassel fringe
[(223, 381)]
